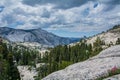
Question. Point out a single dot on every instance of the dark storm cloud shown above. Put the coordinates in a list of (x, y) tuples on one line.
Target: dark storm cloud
[(63, 4), (110, 4), (1, 8)]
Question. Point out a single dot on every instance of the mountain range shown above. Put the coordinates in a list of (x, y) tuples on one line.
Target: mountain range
[(92, 68), (34, 35)]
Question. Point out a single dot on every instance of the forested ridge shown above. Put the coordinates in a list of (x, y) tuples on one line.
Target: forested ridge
[(63, 55), (55, 59), (13, 55)]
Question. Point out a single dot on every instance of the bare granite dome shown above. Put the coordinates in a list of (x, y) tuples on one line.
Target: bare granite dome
[(90, 69)]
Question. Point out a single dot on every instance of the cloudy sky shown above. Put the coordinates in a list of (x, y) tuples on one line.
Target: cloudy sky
[(68, 18)]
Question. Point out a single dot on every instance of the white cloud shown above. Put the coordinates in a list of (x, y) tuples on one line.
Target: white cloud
[(92, 16)]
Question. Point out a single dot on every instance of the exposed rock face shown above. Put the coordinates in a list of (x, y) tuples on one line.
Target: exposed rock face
[(115, 77), (34, 35), (90, 69), (26, 74), (109, 37)]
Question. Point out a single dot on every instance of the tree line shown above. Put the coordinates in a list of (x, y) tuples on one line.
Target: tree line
[(63, 55), (57, 58), (11, 56)]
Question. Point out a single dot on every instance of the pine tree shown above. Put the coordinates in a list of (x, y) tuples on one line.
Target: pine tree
[(8, 71), (118, 41)]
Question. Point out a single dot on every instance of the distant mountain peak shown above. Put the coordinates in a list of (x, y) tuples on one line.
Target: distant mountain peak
[(33, 35)]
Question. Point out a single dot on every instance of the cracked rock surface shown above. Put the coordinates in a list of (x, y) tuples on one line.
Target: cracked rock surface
[(90, 69)]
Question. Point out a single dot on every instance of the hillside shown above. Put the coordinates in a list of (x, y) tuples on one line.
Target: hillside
[(12, 56), (34, 35), (92, 68), (109, 37), (61, 56)]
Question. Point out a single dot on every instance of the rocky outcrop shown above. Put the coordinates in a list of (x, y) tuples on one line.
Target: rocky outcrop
[(115, 77), (109, 37), (27, 72), (90, 69)]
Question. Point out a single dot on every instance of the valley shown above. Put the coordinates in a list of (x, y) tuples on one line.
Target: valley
[(35, 61), (59, 40)]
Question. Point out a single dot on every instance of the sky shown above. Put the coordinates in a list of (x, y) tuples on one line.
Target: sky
[(66, 18)]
